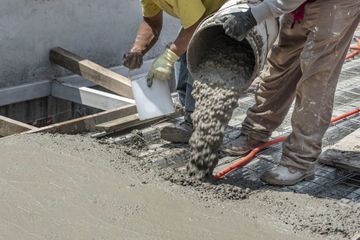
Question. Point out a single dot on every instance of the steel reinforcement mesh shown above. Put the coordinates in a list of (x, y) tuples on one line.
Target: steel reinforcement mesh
[(329, 182)]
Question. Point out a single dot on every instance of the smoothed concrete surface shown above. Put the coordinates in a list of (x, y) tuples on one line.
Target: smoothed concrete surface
[(64, 187)]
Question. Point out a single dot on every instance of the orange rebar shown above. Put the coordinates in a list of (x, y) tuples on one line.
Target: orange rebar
[(247, 159)]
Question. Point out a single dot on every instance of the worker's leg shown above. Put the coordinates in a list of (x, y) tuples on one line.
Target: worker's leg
[(184, 86), (321, 61), (331, 30), (181, 75), (189, 100), (181, 132), (276, 92)]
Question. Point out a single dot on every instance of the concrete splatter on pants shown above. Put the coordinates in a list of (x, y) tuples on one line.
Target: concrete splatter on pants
[(304, 64)]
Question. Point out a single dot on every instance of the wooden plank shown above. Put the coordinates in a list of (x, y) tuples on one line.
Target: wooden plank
[(92, 71), (10, 126), (25, 92), (89, 97), (79, 81), (345, 154), (130, 122), (87, 123), (30, 91), (116, 124)]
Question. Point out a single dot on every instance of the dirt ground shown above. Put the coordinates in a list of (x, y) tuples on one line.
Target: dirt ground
[(72, 187)]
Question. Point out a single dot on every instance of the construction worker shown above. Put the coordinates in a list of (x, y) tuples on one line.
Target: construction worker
[(190, 13), (304, 64)]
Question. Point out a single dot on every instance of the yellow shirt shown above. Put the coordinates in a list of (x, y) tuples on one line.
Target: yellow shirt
[(188, 11)]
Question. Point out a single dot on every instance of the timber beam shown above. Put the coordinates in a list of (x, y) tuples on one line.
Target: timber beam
[(91, 71), (87, 123), (10, 126)]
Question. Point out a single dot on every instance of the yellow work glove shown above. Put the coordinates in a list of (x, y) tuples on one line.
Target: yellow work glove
[(163, 67)]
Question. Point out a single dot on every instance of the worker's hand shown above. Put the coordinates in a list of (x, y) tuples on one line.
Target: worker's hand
[(163, 67), (237, 25), (133, 60)]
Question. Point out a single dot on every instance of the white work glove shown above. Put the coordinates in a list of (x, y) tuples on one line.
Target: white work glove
[(163, 67)]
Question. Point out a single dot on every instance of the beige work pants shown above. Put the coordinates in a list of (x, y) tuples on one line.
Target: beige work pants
[(304, 64)]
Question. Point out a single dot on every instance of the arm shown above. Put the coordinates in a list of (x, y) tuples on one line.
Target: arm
[(163, 67), (238, 24), (148, 33), (179, 46), (147, 36), (274, 8), (190, 14)]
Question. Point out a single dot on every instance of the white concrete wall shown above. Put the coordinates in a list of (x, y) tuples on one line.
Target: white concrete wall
[(100, 30)]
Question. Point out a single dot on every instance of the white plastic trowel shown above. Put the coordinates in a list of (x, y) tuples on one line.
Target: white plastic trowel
[(150, 102)]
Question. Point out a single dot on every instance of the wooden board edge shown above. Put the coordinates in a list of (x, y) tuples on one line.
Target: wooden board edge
[(10, 126), (87, 123)]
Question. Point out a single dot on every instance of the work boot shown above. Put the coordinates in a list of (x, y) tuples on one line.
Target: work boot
[(242, 145), (286, 176), (177, 133)]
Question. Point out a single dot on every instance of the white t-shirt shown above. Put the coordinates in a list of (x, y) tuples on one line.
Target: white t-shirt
[(274, 8)]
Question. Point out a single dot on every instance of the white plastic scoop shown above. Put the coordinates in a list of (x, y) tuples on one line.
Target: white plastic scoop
[(150, 102)]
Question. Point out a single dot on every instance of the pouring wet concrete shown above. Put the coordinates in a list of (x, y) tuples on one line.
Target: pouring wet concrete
[(72, 187), (223, 76)]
